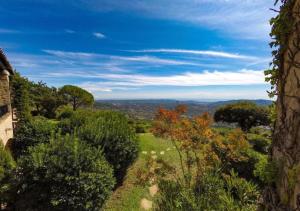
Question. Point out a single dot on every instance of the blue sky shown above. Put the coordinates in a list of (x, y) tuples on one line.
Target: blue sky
[(140, 49)]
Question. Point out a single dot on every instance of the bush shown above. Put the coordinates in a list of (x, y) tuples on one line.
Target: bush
[(64, 112), (76, 119), (246, 114), (211, 192), (64, 174), (30, 133), (259, 142), (7, 166), (266, 171), (111, 132)]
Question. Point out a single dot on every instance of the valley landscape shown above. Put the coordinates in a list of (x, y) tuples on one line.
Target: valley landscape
[(169, 105)]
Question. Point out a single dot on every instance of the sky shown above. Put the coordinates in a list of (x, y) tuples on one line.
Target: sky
[(142, 49)]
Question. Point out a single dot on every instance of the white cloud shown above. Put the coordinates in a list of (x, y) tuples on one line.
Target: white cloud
[(197, 52), (99, 35), (144, 59), (189, 79)]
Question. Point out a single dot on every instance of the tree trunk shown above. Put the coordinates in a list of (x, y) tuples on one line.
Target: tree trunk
[(284, 194)]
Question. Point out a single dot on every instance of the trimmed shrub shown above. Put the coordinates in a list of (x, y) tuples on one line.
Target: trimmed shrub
[(64, 174), (111, 132), (30, 133)]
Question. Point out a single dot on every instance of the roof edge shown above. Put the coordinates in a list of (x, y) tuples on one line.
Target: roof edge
[(5, 61)]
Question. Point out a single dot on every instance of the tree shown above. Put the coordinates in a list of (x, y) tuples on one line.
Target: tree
[(77, 96), (284, 76), (20, 96), (46, 100), (246, 114), (65, 174)]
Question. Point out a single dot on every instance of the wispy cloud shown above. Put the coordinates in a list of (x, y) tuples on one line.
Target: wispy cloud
[(206, 78), (197, 52), (8, 31), (139, 59), (99, 35), (245, 19), (69, 31)]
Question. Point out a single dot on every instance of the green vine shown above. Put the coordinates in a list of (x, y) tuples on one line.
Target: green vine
[(282, 27)]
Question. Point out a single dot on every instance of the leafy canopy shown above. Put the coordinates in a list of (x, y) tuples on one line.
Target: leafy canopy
[(77, 96), (246, 114)]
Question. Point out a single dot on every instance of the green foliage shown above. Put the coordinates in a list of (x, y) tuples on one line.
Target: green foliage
[(7, 166), (45, 100), (76, 96), (259, 142), (64, 112), (210, 192), (282, 27), (246, 114), (20, 96), (266, 171), (30, 133), (64, 174), (111, 132)]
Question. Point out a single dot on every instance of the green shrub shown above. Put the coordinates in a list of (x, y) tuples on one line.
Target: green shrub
[(7, 166), (266, 170), (64, 174), (111, 132), (64, 112), (259, 142), (210, 192), (30, 133), (245, 168), (76, 119)]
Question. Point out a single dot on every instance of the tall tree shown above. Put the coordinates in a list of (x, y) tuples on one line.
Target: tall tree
[(20, 96), (77, 96), (284, 193)]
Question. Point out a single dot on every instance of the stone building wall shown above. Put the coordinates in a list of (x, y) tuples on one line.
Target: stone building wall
[(6, 127)]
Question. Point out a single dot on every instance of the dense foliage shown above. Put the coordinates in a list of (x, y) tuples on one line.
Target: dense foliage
[(111, 132), (30, 133), (218, 172), (76, 96), (7, 166), (20, 96), (246, 114), (46, 100), (64, 174)]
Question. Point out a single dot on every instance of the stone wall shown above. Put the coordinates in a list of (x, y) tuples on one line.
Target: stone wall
[(6, 127), (4, 90)]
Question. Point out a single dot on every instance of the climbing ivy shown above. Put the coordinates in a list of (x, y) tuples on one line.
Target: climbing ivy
[(282, 26)]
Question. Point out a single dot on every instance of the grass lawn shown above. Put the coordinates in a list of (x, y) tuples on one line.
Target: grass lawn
[(128, 196)]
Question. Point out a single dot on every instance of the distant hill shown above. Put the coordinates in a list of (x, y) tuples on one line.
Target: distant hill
[(145, 109)]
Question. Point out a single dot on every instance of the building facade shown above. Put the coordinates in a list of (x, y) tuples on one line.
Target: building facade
[(6, 125)]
